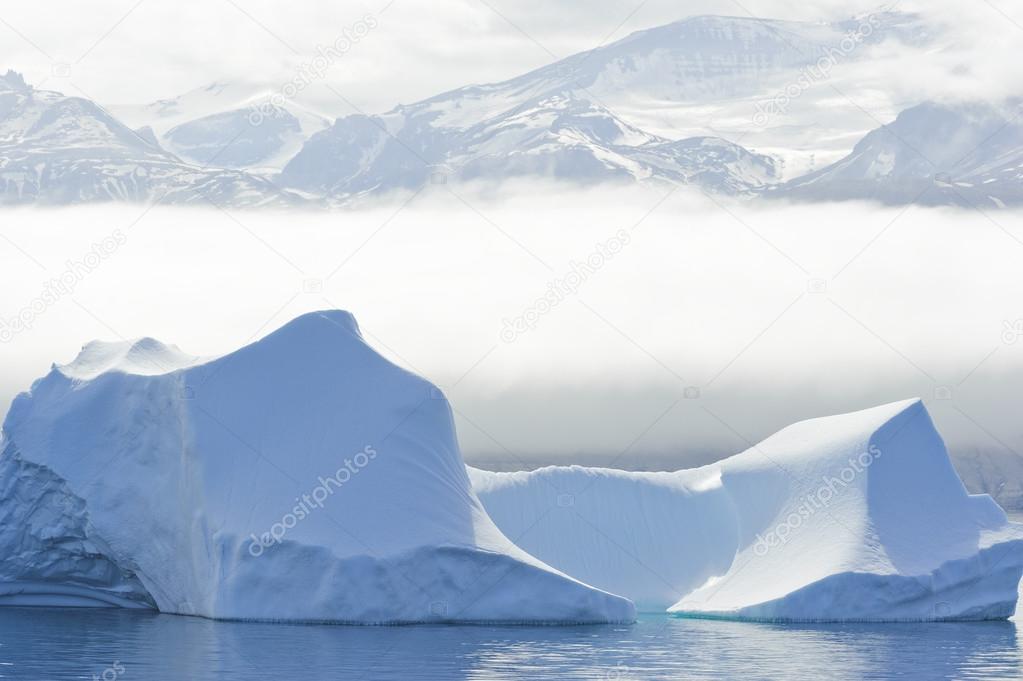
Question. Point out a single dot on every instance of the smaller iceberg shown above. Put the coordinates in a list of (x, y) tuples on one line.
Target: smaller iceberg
[(857, 517)]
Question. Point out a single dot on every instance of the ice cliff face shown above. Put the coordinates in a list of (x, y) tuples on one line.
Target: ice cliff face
[(68, 564), (303, 477), (852, 517)]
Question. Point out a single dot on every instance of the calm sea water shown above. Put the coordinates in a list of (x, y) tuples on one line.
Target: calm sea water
[(44, 644)]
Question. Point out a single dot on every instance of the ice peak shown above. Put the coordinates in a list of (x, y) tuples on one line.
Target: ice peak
[(313, 339), (143, 356), (321, 323), (895, 409), (148, 356), (869, 420)]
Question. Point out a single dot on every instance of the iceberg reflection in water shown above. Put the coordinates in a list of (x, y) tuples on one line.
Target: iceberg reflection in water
[(58, 644)]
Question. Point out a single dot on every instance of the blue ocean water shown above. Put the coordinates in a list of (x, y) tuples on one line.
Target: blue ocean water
[(56, 644)]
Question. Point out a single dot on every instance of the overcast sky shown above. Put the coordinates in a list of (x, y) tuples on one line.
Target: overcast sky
[(135, 51)]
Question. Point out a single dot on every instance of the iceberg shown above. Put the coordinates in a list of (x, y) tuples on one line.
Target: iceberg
[(301, 478), (856, 517), (306, 478)]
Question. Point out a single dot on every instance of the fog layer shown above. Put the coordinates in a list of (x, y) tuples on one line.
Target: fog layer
[(640, 328)]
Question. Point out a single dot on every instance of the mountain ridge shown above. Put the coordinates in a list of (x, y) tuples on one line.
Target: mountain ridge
[(578, 120), (57, 150)]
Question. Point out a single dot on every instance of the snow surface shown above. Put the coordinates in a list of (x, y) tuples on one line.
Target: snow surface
[(303, 477), (853, 517)]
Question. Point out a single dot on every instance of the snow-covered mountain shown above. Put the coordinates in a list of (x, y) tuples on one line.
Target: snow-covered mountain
[(561, 136), (56, 149), (702, 57), (962, 154), (228, 124), (625, 112), (566, 120)]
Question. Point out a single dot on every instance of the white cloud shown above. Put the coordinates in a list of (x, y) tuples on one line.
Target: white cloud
[(125, 51), (698, 298)]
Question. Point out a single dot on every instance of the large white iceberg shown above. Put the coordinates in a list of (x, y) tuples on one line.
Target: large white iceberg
[(303, 477), (852, 517)]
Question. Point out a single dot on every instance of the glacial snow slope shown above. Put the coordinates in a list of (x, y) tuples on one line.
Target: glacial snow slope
[(303, 477), (60, 150), (229, 124), (559, 136), (713, 57), (852, 517), (962, 154), (733, 77), (555, 121), (584, 118)]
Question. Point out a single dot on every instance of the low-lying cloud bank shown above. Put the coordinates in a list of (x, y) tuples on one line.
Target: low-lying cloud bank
[(643, 329)]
